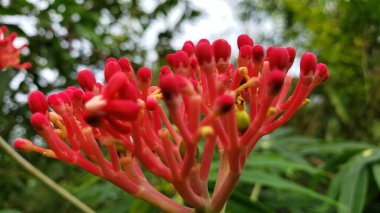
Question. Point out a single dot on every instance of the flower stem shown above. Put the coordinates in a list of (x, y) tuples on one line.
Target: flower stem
[(43, 178)]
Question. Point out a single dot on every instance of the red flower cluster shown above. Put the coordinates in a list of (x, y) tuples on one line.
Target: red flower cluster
[(114, 129), (9, 54)]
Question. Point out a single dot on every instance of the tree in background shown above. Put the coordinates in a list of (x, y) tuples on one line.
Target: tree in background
[(63, 37), (346, 35)]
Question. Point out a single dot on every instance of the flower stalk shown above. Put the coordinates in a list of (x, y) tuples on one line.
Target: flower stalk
[(115, 129)]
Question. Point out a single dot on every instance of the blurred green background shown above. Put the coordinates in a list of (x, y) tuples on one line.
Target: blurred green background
[(325, 160)]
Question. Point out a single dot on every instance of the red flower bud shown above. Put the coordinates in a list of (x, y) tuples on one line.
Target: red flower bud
[(188, 47), (125, 65), (180, 59), (221, 49), (23, 145), (308, 63), (279, 58), (86, 80), (322, 72), (151, 103), (110, 69), (244, 39), (223, 104), (37, 102), (110, 60), (275, 81), (144, 76), (257, 53), (122, 109), (292, 54), (203, 51), (39, 121), (169, 88), (115, 85), (245, 52)]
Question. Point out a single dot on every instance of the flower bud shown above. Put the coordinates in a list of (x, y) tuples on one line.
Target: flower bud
[(223, 104), (144, 76), (151, 103), (86, 80), (37, 102), (123, 109), (257, 53), (125, 65), (111, 68), (188, 47), (170, 89), (279, 58), (244, 39), (204, 53), (39, 121), (275, 81), (308, 63), (23, 145), (292, 55)]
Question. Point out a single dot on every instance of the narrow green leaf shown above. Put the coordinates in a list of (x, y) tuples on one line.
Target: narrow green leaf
[(376, 173), (281, 183), (354, 189)]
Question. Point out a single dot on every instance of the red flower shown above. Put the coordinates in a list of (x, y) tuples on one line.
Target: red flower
[(9, 54), (114, 128)]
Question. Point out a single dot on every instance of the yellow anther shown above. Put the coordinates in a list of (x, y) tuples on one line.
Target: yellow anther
[(158, 96), (206, 131), (61, 133), (271, 111), (251, 82), (157, 91), (239, 103), (243, 71), (306, 102)]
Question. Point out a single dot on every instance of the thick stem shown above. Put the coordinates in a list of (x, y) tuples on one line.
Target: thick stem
[(220, 198)]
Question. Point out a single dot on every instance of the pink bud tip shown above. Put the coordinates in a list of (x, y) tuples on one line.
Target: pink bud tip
[(110, 60), (115, 84), (221, 49), (292, 54), (275, 81), (322, 71), (125, 65), (123, 109), (244, 39), (151, 103), (86, 80), (308, 63), (111, 68), (279, 58), (23, 145), (203, 51), (180, 59), (224, 103), (188, 47), (37, 102), (245, 52), (169, 87), (39, 121), (257, 53), (165, 70), (144, 75)]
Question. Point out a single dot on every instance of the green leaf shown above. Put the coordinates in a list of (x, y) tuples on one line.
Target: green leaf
[(376, 173), (251, 177), (275, 161), (354, 189)]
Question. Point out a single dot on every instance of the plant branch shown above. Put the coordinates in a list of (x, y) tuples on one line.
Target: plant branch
[(43, 178)]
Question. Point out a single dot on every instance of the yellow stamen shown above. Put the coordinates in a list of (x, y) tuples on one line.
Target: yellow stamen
[(271, 111), (251, 82), (306, 102), (244, 72), (206, 131)]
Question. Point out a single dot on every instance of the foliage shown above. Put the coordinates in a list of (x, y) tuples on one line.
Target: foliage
[(65, 36), (348, 42)]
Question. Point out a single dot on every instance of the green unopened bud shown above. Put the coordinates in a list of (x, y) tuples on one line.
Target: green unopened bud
[(243, 120)]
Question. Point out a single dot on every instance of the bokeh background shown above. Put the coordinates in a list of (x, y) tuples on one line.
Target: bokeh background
[(327, 159)]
